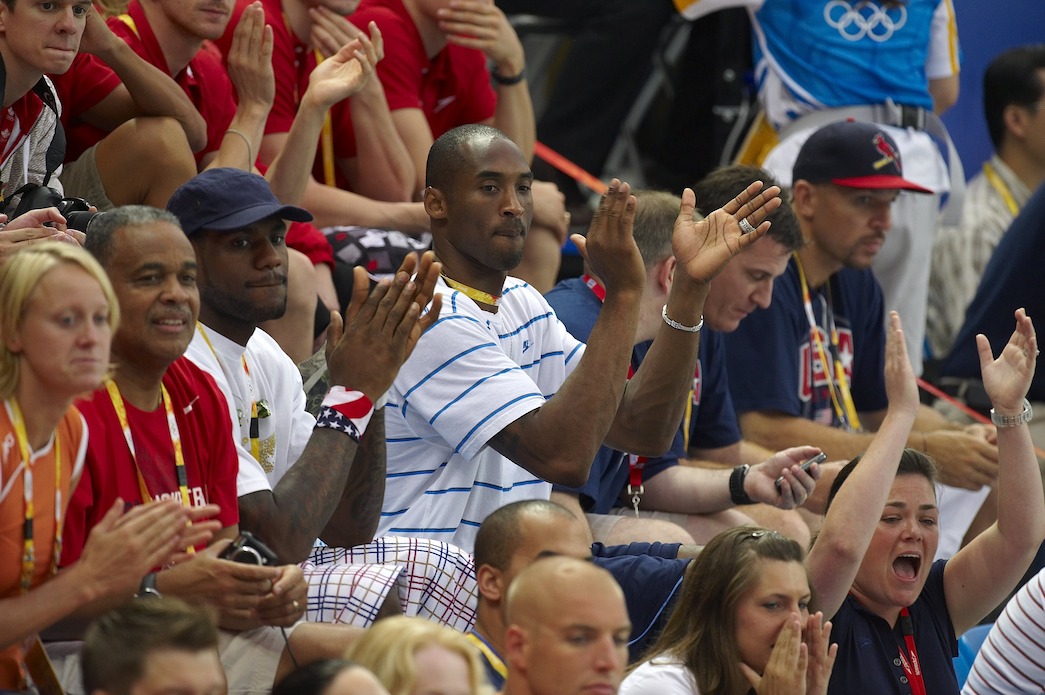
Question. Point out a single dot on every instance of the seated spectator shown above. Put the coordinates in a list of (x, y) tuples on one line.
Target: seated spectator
[(301, 480), (57, 315), (808, 368), (330, 677), (235, 103), (676, 503), (499, 399), (148, 124), (160, 431), (411, 656), (871, 566), (1013, 95), (427, 88), (153, 646), (567, 630), (891, 62), (518, 534), (739, 624), (1011, 661), (32, 145)]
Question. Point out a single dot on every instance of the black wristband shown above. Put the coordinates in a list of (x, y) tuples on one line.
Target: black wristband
[(508, 81), (736, 486)]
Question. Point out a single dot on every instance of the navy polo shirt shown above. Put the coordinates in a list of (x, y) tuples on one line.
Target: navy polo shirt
[(869, 648), (713, 419), (650, 575)]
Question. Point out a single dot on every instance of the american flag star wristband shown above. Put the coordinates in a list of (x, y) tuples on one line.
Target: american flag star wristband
[(345, 411)]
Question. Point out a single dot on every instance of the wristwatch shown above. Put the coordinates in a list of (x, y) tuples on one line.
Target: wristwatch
[(147, 589), (736, 486), (1013, 420)]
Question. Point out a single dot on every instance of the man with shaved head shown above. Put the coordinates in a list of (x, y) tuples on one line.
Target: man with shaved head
[(521, 533), (499, 400), (568, 629), (510, 540)]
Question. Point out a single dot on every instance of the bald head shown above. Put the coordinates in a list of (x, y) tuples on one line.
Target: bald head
[(450, 153), (568, 629), (549, 585), (510, 530)]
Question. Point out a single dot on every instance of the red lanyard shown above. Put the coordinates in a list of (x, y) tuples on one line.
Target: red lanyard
[(912, 666), (635, 463)]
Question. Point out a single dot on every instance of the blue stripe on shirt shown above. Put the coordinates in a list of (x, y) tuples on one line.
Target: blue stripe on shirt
[(520, 329), (469, 390), (446, 364), (457, 449)]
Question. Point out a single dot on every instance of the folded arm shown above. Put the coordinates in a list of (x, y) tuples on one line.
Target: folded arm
[(146, 90)]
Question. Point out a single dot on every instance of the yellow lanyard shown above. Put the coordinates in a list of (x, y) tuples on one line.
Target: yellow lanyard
[(172, 427), (998, 185), (28, 543), (489, 653), (472, 293), (834, 371), (255, 426), (327, 137)]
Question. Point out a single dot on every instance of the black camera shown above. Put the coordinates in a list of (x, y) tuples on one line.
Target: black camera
[(249, 550), (76, 211)]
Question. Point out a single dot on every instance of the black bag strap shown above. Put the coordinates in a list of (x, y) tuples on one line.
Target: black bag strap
[(56, 149)]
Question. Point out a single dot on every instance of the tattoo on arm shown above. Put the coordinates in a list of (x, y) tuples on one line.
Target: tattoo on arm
[(291, 517), (356, 518)]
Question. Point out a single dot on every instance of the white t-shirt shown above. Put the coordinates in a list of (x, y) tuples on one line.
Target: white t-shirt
[(260, 372), (660, 676)]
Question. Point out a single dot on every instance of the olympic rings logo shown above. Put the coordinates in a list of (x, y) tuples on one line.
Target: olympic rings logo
[(865, 18)]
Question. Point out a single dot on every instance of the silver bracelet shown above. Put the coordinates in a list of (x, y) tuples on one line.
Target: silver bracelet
[(246, 141), (681, 326)]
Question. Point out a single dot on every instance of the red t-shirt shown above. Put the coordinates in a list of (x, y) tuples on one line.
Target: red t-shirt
[(204, 79), (452, 89), (292, 62), (82, 87), (207, 445), (16, 121), (90, 80)]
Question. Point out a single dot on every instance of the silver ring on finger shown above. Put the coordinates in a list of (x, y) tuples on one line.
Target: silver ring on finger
[(745, 226)]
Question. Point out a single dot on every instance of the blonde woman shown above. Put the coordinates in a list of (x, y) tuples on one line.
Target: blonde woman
[(413, 656), (57, 317)]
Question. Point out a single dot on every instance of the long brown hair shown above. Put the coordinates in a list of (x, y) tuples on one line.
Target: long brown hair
[(701, 632)]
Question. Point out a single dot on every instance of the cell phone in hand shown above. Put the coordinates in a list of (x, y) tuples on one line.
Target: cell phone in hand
[(819, 458)]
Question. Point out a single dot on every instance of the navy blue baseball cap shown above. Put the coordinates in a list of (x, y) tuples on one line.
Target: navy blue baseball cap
[(852, 154), (225, 199)]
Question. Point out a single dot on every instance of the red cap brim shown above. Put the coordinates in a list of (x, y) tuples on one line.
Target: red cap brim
[(881, 182)]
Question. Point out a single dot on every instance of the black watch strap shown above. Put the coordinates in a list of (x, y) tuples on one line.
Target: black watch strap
[(147, 589), (736, 486)]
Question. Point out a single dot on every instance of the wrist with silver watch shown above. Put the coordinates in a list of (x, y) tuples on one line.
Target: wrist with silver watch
[(1002, 420), (147, 589)]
